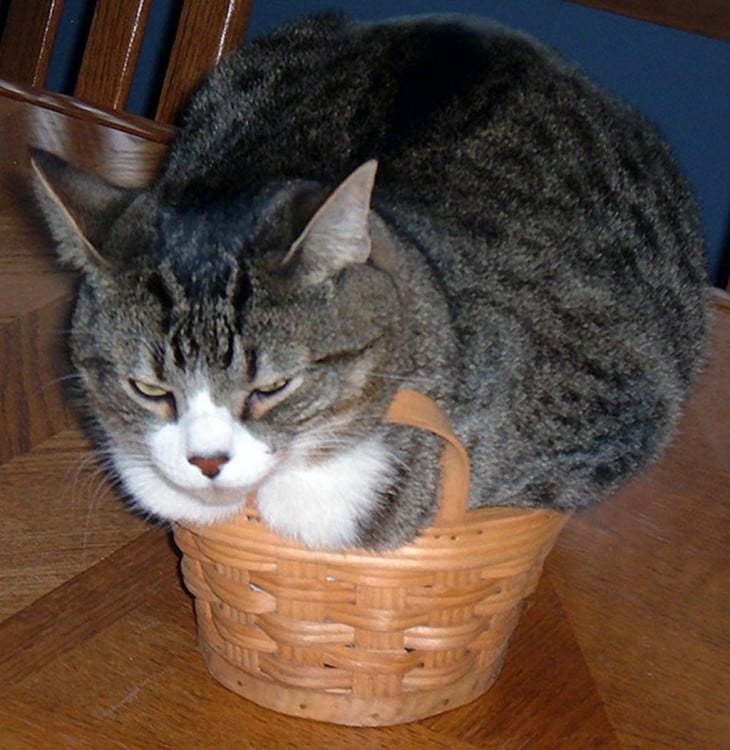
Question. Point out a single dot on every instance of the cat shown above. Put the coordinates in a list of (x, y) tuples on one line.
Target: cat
[(438, 203)]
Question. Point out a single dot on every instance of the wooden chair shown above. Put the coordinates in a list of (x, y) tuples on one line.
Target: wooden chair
[(207, 29)]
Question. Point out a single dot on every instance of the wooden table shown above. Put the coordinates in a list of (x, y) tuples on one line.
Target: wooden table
[(625, 644)]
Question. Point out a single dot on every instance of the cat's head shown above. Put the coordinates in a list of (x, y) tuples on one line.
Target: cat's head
[(217, 341)]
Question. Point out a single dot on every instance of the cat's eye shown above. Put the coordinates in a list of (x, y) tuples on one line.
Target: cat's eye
[(269, 389), (149, 390), (261, 399)]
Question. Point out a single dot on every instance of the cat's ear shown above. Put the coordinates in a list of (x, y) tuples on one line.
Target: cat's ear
[(338, 234), (78, 206)]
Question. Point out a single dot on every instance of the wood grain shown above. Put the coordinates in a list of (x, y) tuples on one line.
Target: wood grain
[(708, 17), (27, 41), (59, 517), (32, 341), (205, 33), (49, 627), (111, 52)]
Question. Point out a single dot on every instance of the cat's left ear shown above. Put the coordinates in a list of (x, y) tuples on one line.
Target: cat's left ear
[(338, 234), (79, 208)]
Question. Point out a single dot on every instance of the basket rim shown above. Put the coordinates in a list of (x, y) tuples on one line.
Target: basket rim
[(452, 547)]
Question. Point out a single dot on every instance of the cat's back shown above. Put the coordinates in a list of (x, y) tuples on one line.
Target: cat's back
[(318, 97), (471, 123)]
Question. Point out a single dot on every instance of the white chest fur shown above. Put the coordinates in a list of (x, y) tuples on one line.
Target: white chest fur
[(321, 505)]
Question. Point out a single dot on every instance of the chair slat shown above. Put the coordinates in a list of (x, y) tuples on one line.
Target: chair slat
[(27, 43), (111, 52), (206, 32), (207, 29)]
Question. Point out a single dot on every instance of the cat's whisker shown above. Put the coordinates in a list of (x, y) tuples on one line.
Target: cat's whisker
[(71, 377), (83, 485), (398, 377), (70, 491), (99, 488), (319, 446), (92, 333), (423, 379)]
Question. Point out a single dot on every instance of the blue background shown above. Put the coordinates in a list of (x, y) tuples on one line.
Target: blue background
[(679, 80)]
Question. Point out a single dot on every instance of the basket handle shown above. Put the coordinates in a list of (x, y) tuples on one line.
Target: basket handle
[(412, 408)]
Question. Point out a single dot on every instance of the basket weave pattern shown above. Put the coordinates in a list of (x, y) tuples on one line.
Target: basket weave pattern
[(360, 637)]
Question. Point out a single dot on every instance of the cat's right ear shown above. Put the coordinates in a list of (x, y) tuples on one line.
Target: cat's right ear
[(338, 234), (78, 207)]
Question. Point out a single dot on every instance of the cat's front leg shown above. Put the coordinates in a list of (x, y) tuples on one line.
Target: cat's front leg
[(407, 501)]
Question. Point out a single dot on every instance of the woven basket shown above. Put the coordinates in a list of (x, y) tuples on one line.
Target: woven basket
[(365, 638)]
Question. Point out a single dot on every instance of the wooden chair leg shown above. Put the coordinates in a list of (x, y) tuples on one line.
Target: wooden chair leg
[(27, 43), (109, 60), (196, 51)]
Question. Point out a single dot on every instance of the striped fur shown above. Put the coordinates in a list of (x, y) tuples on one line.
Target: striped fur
[(537, 267)]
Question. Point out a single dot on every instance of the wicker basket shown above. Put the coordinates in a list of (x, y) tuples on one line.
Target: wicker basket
[(366, 638)]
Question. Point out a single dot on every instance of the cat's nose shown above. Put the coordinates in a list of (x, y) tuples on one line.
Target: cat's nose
[(210, 465)]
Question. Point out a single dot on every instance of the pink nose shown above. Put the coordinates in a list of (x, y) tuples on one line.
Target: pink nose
[(209, 465)]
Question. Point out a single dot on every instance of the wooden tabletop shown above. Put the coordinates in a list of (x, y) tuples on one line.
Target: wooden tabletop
[(625, 643)]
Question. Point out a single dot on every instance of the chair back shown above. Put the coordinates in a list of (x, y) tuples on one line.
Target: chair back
[(206, 30)]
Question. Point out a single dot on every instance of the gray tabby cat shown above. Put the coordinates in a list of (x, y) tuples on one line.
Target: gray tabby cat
[(349, 208)]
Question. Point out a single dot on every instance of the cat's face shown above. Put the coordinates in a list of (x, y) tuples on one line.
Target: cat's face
[(220, 348)]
